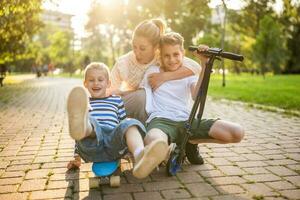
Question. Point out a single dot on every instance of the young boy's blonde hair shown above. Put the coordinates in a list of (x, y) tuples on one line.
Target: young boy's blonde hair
[(172, 38), (97, 65)]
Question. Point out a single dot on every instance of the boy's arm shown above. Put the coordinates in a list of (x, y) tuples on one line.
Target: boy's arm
[(189, 68), (203, 60), (145, 83)]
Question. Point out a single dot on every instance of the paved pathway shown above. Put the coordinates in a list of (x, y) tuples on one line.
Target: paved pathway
[(35, 148)]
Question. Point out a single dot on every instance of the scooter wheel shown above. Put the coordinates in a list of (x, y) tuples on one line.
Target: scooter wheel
[(115, 181)]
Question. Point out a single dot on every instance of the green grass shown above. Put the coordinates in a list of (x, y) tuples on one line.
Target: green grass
[(282, 91)]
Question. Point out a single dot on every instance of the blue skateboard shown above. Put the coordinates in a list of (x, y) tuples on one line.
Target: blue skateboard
[(105, 173)]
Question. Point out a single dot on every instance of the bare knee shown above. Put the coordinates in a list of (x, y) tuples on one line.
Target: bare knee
[(237, 133), (227, 132), (155, 134)]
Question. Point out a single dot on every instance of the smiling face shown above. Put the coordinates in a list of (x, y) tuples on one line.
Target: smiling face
[(143, 50), (171, 56), (96, 81)]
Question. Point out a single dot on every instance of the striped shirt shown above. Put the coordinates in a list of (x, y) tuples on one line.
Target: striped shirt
[(108, 111)]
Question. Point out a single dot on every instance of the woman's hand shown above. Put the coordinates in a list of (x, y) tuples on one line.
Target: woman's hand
[(156, 79), (201, 48)]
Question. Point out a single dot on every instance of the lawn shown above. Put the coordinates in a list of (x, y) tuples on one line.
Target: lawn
[(282, 91)]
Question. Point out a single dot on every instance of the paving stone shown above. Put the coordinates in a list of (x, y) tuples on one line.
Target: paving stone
[(219, 161), (156, 186), (189, 177), (51, 194), (256, 170), (232, 197), (38, 173), (59, 184), (262, 177), (280, 185), (281, 162), (147, 196), (10, 181), (225, 180), (232, 170), (125, 188), (81, 185), (294, 180), (176, 194), (4, 164), (252, 164), (32, 185), (258, 189), (230, 189), (22, 167), (14, 196), (8, 188), (91, 195), (281, 171), (125, 196), (201, 189), (291, 194), (13, 174), (211, 173)]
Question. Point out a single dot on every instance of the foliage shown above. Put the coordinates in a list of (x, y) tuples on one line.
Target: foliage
[(19, 22), (291, 19), (60, 51), (251, 15), (269, 48), (119, 19)]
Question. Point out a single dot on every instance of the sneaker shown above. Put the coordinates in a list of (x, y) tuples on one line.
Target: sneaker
[(192, 154), (77, 107), (151, 157)]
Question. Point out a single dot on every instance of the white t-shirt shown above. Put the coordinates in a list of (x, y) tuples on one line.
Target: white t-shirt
[(171, 99)]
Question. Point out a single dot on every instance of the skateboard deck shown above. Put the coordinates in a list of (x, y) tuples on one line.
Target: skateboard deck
[(105, 174)]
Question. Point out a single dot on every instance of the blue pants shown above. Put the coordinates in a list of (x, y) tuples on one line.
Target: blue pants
[(109, 144)]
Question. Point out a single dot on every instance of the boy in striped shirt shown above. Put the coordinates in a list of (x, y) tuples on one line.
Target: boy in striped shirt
[(100, 128)]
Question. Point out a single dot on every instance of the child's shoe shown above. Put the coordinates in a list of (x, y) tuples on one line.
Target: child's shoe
[(193, 154), (151, 157), (77, 106)]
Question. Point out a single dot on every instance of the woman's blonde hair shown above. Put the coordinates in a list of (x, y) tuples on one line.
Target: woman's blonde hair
[(99, 66), (151, 29)]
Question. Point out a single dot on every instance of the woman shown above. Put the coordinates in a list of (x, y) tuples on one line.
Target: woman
[(130, 68)]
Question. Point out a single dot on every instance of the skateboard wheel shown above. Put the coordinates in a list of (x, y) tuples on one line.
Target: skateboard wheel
[(115, 181), (94, 182)]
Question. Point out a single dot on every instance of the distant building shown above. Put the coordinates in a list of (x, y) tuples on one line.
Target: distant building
[(58, 19)]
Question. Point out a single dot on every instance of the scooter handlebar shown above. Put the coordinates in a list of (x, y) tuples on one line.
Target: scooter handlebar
[(218, 52)]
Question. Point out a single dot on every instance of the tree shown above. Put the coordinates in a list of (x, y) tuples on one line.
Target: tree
[(110, 22), (291, 19), (61, 51), (19, 22), (251, 15), (269, 48)]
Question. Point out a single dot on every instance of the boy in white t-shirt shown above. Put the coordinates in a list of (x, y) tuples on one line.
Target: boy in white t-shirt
[(168, 106)]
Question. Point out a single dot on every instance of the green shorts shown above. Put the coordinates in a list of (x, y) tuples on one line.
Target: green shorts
[(176, 130)]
